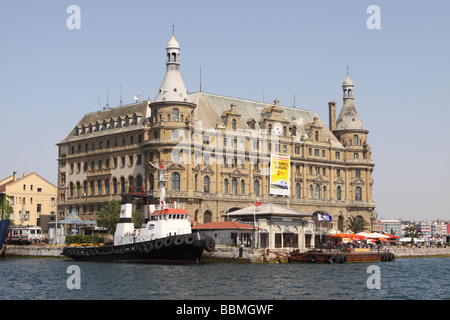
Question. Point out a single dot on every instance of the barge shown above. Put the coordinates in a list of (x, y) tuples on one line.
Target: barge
[(317, 256)]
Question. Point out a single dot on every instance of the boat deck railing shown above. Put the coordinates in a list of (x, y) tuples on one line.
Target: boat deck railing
[(328, 247)]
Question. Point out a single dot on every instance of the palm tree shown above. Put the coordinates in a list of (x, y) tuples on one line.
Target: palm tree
[(356, 224), (413, 232)]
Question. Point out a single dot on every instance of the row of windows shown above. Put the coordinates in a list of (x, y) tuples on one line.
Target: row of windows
[(100, 187), (105, 164), (23, 201), (124, 141)]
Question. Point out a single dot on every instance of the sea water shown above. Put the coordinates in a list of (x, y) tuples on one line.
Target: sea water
[(64, 279)]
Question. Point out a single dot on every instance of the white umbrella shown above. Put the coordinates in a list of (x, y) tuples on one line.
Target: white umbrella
[(377, 236)]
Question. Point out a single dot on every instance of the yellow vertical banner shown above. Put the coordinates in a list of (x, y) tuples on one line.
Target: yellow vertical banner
[(279, 175)]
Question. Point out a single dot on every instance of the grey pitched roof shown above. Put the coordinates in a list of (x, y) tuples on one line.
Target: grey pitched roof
[(211, 107), (348, 118), (139, 109), (265, 209)]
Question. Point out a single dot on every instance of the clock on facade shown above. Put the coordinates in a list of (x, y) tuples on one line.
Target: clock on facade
[(277, 129)]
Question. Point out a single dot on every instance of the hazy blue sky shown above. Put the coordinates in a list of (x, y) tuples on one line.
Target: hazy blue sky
[(50, 76)]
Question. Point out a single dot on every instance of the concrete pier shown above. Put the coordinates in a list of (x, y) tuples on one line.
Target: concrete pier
[(227, 254)]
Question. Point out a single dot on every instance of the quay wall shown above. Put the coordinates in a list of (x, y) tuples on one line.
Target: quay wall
[(227, 254), (34, 251)]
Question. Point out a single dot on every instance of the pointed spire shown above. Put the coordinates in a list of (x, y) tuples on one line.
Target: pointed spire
[(172, 87), (348, 118)]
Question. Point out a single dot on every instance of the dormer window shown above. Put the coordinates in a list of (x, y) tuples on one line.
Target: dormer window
[(233, 124)]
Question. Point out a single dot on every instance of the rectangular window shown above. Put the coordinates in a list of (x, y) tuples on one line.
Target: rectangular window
[(297, 150), (338, 154), (316, 152), (355, 156)]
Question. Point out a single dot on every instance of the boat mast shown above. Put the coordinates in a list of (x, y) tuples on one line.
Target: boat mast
[(162, 184)]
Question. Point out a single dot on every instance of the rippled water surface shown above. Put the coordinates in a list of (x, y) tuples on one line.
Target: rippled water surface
[(414, 278)]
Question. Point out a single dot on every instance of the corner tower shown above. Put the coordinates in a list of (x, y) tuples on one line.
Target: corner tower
[(172, 87), (349, 127)]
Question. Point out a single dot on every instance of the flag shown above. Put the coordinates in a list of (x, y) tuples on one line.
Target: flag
[(322, 216), (257, 203)]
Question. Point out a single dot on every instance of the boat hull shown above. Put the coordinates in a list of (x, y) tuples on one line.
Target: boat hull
[(169, 250), (324, 257), (4, 230)]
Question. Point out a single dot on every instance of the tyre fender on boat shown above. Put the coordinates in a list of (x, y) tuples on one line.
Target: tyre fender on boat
[(148, 247), (313, 258), (209, 244), (158, 244), (190, 239), (343, 259), (332, 259), (141, 247), (168, 241), (179, 240)]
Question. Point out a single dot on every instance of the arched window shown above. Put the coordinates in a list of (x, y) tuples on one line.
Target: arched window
[(175, 114), (78, 189), (115, 186), (130, 182), (270, 129), (85, 188), (234, 186), (285, 131), (175, 182), (242, 186), (122, 185), (92, 187), (297, 190), (174, 57), (355, 140), (71, 189), (206, 182), (225, 186), (256, 188), (195, 182), (358, 194), (317, 191), (324, 194), (316, 136), (107, 186), (207, 216), (99, 187), (338, 193), (310, 191), (151, 181), (139, 181)]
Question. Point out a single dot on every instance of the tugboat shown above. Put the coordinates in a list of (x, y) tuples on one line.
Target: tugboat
[(165, 237)]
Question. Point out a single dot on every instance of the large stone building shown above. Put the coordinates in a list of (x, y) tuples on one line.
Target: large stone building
[(32, 198), (216, 150)]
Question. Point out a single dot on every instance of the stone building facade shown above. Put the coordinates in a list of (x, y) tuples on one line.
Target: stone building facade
[(32, 198), (216, 150)]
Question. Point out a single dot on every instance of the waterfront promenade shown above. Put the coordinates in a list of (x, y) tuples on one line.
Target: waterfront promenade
[(227, 254)]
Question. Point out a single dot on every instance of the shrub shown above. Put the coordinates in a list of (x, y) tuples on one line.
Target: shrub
[(79, 239)]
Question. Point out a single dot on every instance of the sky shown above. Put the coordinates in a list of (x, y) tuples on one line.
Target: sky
[(51, 74)]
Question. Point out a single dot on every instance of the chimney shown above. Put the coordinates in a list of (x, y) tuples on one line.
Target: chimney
[(15, 176), (332, 115)]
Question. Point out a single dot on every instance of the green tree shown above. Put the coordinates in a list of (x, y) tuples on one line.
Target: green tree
[(413, 232), (138, 219), (5, 208), (356, 224), (108, 217)]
